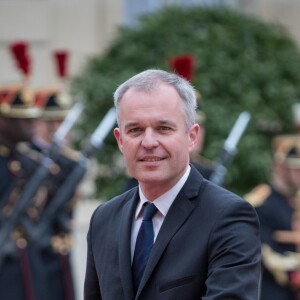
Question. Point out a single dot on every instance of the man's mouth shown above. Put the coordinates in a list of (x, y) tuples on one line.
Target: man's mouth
[(151, 159)]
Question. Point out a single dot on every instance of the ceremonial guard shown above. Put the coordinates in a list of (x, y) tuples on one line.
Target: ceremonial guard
[(35, 232), (278, 208), (18, 262), (55, 242)]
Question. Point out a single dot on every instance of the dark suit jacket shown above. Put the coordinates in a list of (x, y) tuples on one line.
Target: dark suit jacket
[(207, 248)]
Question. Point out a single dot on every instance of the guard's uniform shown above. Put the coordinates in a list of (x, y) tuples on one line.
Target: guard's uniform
[(6, 175), (27, 270), (10, 271), (21, 273), (55, 245), (277, 214), (18, 263)]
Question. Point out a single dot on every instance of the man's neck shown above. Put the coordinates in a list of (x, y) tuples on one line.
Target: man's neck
[(154, 191)]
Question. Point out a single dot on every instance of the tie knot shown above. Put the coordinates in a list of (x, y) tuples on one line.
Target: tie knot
[(149, 211)]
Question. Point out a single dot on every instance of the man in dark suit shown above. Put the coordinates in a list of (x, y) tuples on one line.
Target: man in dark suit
[(206, 239)]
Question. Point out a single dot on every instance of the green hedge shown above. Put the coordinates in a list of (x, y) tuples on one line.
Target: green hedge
[(242, 64)]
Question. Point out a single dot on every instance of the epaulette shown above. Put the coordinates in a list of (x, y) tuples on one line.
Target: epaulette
[(258, 195), (70, 153), (4, 151), (24, 149)]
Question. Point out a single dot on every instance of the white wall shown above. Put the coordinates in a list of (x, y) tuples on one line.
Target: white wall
[(84, 27), (285, 12)]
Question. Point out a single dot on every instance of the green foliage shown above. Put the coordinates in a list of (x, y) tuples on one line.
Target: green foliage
[(243, 64)]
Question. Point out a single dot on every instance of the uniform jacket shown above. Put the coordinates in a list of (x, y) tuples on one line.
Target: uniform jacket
[(20, 268), (275, 214), (207, 248)]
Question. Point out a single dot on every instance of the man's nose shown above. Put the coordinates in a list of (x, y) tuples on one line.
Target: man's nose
[(149, 139)]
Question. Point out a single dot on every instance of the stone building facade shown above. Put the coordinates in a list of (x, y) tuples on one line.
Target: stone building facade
[(85, 28)]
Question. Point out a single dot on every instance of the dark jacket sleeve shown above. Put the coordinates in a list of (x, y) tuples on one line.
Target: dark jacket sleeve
[(234, 254), (91, 284)]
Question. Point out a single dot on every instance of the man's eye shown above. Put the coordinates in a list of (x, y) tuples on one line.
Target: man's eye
[(134, 130), (164, 128)]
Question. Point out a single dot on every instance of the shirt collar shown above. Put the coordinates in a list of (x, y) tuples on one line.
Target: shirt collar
[(163, 202)]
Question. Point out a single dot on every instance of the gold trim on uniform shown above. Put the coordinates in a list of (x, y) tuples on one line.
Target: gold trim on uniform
[(24, 113), (4, 151), (62, 243), (70, 153), (258, 195), (14, 166), (54, 114), (280, 264), (19, 238), (34, 155)]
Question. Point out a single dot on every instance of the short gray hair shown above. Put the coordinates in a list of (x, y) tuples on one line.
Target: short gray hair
[(148, 81)]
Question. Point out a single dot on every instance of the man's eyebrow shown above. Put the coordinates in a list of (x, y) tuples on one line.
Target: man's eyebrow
[(167, 122), (131, 124), (160, 122)]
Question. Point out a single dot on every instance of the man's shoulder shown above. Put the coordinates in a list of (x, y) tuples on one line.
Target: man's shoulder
[(118, 201), (125, 195), (219, 191), (218, 198)]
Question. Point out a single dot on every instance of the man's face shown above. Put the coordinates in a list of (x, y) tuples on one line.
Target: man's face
[(294, 178), (153, 137), (18, 130), (45, 129), (288, 177)]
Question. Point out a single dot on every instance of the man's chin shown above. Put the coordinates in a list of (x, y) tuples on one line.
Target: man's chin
[(148, 178)]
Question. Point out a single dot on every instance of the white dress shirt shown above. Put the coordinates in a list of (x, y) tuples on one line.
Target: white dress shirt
[(163, 204)]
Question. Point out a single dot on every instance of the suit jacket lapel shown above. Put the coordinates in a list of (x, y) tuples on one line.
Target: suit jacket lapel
[(125, 244), (178, 213)]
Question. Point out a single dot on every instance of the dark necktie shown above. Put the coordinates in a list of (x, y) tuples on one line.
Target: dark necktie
[(143, 246)]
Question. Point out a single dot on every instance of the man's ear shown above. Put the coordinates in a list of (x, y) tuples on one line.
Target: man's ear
[(194, 136), (117, 134)]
